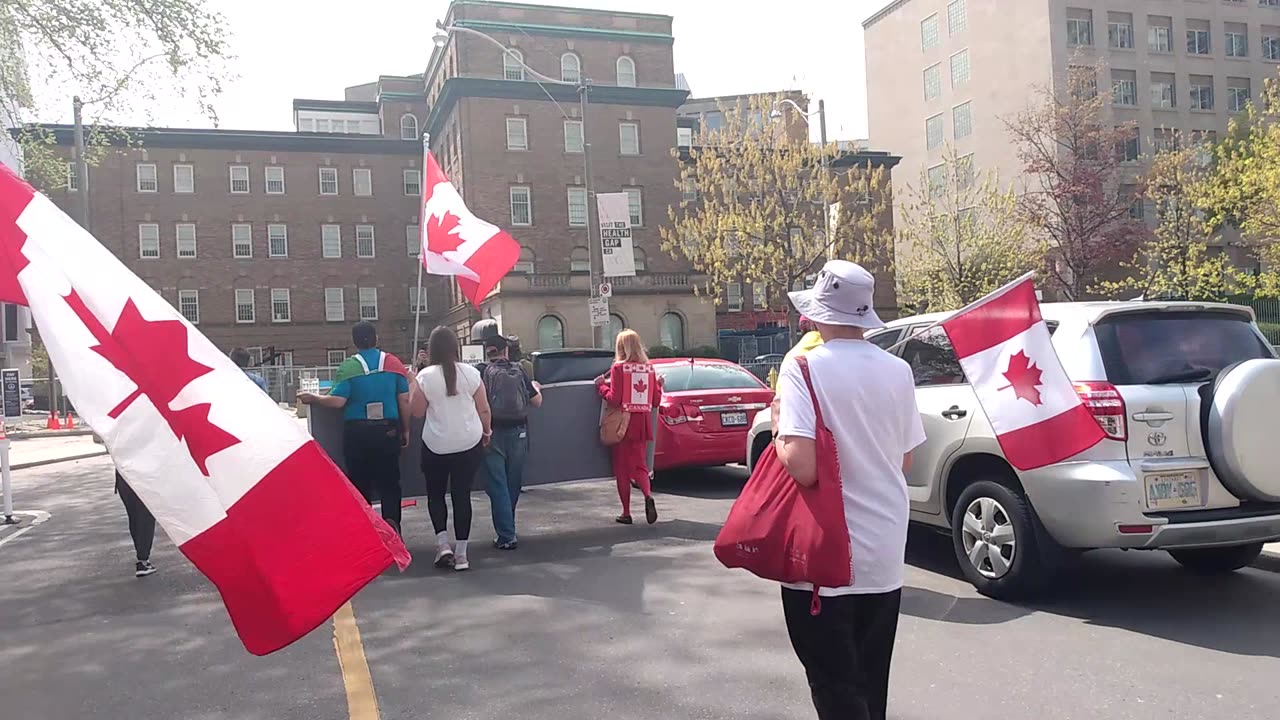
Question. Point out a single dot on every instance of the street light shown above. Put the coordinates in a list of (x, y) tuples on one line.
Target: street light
[(583, 86), (821, 112)]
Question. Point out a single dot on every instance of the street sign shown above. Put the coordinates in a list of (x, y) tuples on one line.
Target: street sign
[(606, 290), (599, 312), (12, 393)]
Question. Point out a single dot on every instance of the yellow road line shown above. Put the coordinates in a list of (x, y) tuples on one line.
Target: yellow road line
[(362, 702)]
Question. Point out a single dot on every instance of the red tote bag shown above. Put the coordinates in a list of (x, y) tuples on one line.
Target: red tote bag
[(783, 531)]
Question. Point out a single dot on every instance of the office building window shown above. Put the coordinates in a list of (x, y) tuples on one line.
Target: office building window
[(281, 310), (579, 260), (408, 127), (635, 206), (189, 305), (759, 296), (331, 241), (684, 137), (413, 183), (241, 240), (1120, 30), (577, 206), (671, 331), (1083, 81), (1159, 33), (933, 131), (629, 138), (961, 121), (550, 333), (573, 136), (929, 33), (733, 293), (184, 179), (1164, 140), (334, 307), (1201, 92), (957, 17), (525, 262), (512, 67), (959, 69), (641, 260), (412, 240), (964, 171), (368, 303), (278, 240), (1237, 37), (1163, 91), (689, 191), (362, 181), (937, 179), (328, 181), (1079, 27), (1270, 42), (147, 178), (570, 68), (1239, 93), (521, 205), (185, 235), (274, 180), (1124, 87), (334, 358), (73, 177), (417, 299), (932, 81), (1131, 146), (517, 133), (626, 72), (246, 309), (239, 176), (148, 241), (1198, 38), (364, 241)]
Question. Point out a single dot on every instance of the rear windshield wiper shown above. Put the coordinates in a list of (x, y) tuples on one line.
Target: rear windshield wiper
[(1185, 375)]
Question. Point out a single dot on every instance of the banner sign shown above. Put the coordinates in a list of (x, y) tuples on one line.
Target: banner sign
[(615, 234)]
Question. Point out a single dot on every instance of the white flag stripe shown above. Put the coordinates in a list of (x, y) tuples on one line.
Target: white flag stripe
[(1006, 411), (62, 254)]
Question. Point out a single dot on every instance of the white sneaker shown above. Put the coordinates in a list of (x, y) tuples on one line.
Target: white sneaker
[(460, 562), (444, 557)]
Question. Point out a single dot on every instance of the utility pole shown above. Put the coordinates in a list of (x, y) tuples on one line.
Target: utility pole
[(82, 163), (595, 251)]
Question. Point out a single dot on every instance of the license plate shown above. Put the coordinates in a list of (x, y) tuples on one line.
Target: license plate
[(1174, 491), (733, 418)]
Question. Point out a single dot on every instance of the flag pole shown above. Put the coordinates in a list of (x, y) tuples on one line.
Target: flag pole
[(989, 296), (422, 257)]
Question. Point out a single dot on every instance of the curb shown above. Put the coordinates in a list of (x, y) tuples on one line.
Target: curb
[(54, 461), (30, 434), (1268, 561)]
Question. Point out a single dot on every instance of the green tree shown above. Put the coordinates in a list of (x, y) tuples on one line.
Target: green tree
[(121, 57), (756, 200), (960, 236)]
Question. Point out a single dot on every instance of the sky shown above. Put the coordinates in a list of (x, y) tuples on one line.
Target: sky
[(289, 49)]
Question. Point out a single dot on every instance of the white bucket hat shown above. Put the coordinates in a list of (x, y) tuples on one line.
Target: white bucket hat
[(844, 294)]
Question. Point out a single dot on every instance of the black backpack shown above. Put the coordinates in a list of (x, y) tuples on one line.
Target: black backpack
[(506, 386)]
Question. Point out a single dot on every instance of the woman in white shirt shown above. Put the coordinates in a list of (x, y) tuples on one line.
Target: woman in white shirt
[(451, 396)]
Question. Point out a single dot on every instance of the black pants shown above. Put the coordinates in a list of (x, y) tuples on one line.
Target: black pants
[(142, 524), (453, 472), (372, 450), (845, 650)]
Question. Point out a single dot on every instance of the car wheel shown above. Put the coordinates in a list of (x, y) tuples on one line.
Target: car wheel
[(1212, 561), (993, 531)]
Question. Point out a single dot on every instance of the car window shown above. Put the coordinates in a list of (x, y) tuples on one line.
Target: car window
[(932, 359), (705, 376), (1161, 347), (886, 338)]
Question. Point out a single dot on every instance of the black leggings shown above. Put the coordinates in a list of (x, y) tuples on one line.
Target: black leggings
[(142, 524), (372, 450), (453, 472)]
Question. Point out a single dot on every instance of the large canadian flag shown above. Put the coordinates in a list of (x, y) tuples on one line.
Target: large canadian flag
[(238, 486), (1007, 355), (457, 243)]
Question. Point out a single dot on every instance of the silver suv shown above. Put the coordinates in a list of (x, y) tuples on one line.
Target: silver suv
[(1187, 394)]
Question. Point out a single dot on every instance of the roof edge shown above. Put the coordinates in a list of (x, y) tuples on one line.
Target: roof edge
[(883, 12)]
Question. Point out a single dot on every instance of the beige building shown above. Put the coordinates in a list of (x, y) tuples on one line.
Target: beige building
[(949, 72)]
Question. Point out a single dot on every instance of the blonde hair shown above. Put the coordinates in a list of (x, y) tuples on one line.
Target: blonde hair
[(629, 348)]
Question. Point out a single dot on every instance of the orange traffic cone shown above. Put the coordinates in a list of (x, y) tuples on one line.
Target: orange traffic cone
[(70, 424), (52, 424)]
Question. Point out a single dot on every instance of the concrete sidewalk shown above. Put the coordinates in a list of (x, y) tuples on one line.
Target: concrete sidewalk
[(35, 452)]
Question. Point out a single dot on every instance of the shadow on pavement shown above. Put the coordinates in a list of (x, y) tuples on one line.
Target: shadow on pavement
[(717, 483)]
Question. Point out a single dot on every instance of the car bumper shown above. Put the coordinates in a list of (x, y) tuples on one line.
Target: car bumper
[(678, 448), (1086, 504)]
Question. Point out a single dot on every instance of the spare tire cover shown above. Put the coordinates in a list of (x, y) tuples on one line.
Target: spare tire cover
[(1240, 429)]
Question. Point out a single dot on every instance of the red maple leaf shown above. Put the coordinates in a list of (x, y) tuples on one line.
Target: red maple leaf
[(641, 385), (443, 235), (1023, 377), (153, 354)]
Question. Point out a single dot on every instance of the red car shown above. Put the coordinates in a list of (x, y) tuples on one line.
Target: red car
[(707, 407)]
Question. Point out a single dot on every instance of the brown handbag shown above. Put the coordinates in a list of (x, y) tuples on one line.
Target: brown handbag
[(613, 426)]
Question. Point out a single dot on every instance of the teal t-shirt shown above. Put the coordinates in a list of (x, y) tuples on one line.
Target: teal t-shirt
[(374, 391)]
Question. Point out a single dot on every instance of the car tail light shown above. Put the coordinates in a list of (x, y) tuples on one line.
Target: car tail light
[(679, 414), (1107, 406)]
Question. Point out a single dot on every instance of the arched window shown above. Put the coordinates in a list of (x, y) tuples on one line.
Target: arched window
[(626, 72), (408, 127), (570, 68), (616, 326), (579, 260), (550, 333), (525, 263), (671, 331), (511, 64), (642, 262)]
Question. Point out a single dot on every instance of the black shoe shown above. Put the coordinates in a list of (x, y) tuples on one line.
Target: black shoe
[(650, 510), (623, 519), (143, 568), (506, 545)]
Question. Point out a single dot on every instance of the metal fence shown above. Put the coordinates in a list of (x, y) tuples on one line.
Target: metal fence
[(744, 349)]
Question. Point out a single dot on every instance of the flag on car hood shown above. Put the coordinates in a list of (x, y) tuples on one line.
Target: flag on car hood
[(455, 242), (241, 489), (1007, 355)]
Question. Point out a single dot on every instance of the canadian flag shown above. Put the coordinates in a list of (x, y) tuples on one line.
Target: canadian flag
[(455, 242), (237, 485), (1007, 355)]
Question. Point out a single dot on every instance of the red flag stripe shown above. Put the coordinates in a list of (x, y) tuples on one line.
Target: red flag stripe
[(1052, 440), (491, 261), (15, 195), (995, 321)]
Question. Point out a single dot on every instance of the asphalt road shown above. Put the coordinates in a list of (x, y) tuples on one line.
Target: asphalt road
[(594, 620)]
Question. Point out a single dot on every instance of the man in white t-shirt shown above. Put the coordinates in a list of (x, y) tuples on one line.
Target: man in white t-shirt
[(868, 402)]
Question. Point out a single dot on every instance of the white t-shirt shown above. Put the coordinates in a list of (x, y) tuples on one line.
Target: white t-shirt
[(452, 423), (868, 402)]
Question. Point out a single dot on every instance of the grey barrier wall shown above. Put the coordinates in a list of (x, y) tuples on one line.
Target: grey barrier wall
[(564, 434)]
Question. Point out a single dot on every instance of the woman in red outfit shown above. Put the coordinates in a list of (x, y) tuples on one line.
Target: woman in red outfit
[(633, 386)]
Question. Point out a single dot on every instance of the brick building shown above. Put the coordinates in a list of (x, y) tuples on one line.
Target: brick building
[(513, 146)]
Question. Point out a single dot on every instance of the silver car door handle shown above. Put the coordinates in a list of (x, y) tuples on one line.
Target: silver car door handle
[(1146, 417)]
